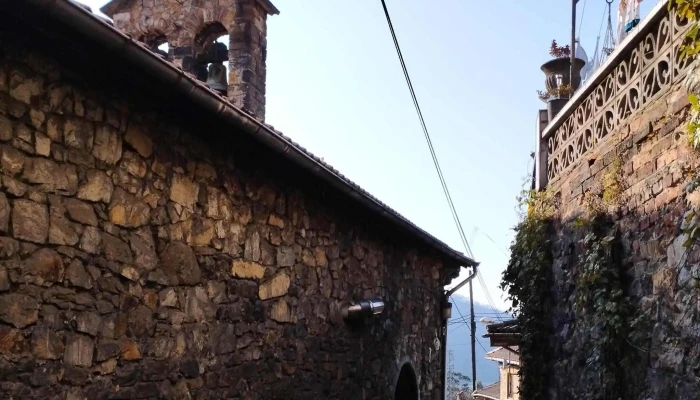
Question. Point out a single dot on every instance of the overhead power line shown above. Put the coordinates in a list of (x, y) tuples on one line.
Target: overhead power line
[(433, 154), (426, 134)]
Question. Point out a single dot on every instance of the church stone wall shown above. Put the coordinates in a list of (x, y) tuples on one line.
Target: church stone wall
[(146, 254)]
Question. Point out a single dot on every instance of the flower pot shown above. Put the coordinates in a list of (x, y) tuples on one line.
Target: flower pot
[(553, 108), (558, 73)]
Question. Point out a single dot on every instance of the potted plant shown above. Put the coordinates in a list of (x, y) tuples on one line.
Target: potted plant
[(558, 69), (555, 99)]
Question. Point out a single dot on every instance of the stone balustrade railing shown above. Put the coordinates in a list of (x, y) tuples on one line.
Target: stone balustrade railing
[(642, 69)]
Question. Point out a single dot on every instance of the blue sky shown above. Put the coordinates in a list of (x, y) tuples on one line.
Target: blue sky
[(334, 84)]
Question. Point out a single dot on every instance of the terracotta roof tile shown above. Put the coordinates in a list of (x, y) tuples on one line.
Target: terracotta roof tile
[(492, 392)]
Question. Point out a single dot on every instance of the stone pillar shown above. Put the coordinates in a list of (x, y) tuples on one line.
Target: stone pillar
[(247, 55)]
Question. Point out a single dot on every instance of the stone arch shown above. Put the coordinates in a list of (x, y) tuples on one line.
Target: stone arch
[(154, 39), (202, 19), (406, 387), (207, 35)]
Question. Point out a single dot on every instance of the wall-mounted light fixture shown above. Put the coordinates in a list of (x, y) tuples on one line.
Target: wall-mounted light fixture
[(363, 309), (446, 310)]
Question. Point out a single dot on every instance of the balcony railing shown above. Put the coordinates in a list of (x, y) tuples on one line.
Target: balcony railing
[(642, 69)]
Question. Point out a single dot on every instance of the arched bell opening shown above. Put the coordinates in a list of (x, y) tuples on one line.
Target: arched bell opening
[(211, 57), (158, 44)]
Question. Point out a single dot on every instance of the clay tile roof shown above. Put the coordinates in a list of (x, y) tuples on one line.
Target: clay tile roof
[(504, 354), (491, 392), (106, 28), (510, 326)]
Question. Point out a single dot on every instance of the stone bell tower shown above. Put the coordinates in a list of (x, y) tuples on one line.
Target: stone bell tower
[(191, 28)]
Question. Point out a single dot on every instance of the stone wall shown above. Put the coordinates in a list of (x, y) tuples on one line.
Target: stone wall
[(160, 254), (655, 163)]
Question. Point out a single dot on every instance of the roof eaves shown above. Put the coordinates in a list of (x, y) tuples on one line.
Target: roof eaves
[(80, 18)]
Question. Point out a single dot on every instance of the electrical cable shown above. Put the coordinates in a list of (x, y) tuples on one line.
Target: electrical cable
[(580, 22), (433, 154), (455, 216)]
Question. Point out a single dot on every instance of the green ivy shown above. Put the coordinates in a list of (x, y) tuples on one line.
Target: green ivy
[(689, 10), (528, 282), (602, 312)]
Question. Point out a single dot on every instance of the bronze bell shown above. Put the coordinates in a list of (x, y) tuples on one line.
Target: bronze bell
[(216, 78)]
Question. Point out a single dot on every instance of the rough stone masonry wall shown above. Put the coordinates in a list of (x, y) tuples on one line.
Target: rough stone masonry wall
[(655, 164), (138, 261)]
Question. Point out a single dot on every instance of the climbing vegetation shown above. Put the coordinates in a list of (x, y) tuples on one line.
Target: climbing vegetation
[(607, 195), (602, 311), (527, 281), (689, 10)]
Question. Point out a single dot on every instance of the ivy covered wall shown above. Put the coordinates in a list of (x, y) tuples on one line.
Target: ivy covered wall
[(605, 268)]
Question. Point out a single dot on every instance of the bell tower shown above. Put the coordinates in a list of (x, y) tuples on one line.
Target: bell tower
[(191, 29)]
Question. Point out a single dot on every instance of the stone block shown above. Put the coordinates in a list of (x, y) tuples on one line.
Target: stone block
[(143, 247), (138, 140), (11, 160), (275, 287), (42, 144), (218, 206), (45, 267), (108, 145), (51, 176), (5, 213), (78, 276), (179, 265), (116, 249), (133, 164), (30, 221), (168, 297), (130, 350), (24, 88), (62, 232), (281, 312), (128, 211), (80, 211), (6, 128), (285, 256), (89, 322), (78, 351), (97, 187), (247, 269), (47, 344), (184, 191), (78, 134), (12, 341), (91, 240)]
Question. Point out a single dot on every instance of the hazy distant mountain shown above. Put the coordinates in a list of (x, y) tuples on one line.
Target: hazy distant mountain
[(459, 340)]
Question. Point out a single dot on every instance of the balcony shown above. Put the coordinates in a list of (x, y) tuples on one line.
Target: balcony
[(643, 68)]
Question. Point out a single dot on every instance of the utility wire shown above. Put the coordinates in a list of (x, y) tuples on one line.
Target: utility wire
[(477, 339), (443, 183), (580, 23), (426, 134)]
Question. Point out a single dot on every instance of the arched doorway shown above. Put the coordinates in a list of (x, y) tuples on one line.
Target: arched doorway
[(407, 385)]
